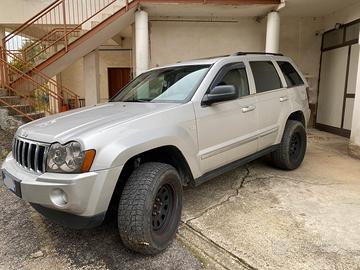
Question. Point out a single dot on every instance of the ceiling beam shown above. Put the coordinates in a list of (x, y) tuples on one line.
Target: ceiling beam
[(215, 2)]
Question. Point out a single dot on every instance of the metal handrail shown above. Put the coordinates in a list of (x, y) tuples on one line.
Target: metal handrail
[(70, 15), (45, 38), (31, 20), (42, 94), (59, 88), (29, 95)]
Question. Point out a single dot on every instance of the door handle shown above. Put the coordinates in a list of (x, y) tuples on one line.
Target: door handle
[(282, 99), (248, 109)]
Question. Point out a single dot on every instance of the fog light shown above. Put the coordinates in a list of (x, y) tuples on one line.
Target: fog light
[(58, 197)]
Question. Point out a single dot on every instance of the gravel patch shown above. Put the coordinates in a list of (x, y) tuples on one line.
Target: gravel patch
[(5, 143)]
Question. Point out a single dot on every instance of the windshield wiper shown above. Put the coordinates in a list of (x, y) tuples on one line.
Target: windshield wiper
[(138, 100)]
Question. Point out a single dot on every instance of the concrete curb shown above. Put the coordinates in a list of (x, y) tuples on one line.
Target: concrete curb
[(209, 253)]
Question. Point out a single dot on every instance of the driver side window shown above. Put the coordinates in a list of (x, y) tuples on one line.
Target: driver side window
[(237, 77)]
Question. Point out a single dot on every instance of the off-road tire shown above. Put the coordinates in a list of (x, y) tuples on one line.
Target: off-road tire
[(142, 226), (292, 148)]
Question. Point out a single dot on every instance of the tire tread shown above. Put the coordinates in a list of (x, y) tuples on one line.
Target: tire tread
[(131, 219), (280, 157)]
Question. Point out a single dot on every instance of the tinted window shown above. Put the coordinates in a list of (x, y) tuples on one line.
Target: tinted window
[(238, 78), (352, 32), (291, 76), (265, 76), (333, 38)]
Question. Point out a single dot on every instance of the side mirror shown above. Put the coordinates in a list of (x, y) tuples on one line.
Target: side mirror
[(220, 93)]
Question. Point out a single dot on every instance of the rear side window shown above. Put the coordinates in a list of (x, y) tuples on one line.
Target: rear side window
[(265, 76), (291, 76)]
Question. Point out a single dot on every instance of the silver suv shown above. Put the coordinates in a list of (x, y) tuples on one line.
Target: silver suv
[(170, 127)]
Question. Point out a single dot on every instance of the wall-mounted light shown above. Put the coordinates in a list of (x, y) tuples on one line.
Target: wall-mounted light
[(338, 26)]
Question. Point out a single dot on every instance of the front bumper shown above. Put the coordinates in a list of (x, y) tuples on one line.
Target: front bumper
[(87, 194)]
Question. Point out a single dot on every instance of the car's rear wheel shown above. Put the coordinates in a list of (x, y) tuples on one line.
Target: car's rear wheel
[(292, 148), (150, 208)]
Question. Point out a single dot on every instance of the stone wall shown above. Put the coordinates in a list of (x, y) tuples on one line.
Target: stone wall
[(8, 123)]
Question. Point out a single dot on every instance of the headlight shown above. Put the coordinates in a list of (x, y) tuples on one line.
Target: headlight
[(69, 158)]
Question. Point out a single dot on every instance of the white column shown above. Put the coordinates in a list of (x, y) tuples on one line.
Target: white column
[(273, 32), (92, 78), (354, 146), (141, 42)]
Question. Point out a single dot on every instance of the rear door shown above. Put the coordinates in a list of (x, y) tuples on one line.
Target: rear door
[(272, 100)]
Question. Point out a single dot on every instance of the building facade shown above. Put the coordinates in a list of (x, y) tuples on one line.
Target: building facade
[(126, 38)]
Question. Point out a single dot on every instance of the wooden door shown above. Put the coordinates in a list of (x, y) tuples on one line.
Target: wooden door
[(117, 78)]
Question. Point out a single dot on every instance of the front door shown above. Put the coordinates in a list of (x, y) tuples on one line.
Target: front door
[(227, 130), (117, 78)]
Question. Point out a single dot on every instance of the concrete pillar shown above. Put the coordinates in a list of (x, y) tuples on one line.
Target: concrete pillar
[(92, 78), (141, 42), (273, 32), (354, 145)]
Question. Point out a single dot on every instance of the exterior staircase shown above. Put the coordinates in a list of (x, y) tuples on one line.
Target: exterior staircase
[(45, 45), (67, 30), (18, 109), (29, 94)]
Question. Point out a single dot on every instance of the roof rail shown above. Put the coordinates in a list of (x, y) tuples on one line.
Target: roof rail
[(205, 58), (262, 53)]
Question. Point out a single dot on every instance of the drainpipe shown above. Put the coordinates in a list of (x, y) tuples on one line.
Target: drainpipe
[(273, 29)]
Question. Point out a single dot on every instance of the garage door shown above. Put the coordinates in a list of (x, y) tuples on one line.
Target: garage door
[(339, 62)]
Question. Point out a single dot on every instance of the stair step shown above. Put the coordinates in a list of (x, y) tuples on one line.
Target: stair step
[(3, 92), (4, 97), (12, 100), (34, 115), (117, 7), (21, 107), (105, 16), (94, 24)]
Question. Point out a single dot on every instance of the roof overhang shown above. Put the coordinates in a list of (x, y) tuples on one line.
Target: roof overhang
[(208, 8)]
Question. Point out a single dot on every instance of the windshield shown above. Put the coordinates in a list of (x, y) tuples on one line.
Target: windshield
[(173, 84)]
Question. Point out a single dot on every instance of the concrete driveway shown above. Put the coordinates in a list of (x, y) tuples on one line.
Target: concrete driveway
[(255, 217)]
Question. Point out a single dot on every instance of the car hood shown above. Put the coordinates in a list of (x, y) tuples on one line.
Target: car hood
[(73, 124)]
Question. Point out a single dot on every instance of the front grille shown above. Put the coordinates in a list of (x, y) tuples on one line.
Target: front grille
[(30, 155)]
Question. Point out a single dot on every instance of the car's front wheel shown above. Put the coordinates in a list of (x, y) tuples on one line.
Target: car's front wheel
[(292, 148), (150, 208)]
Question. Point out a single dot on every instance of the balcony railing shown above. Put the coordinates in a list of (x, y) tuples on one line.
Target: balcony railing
[(53, 29)]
